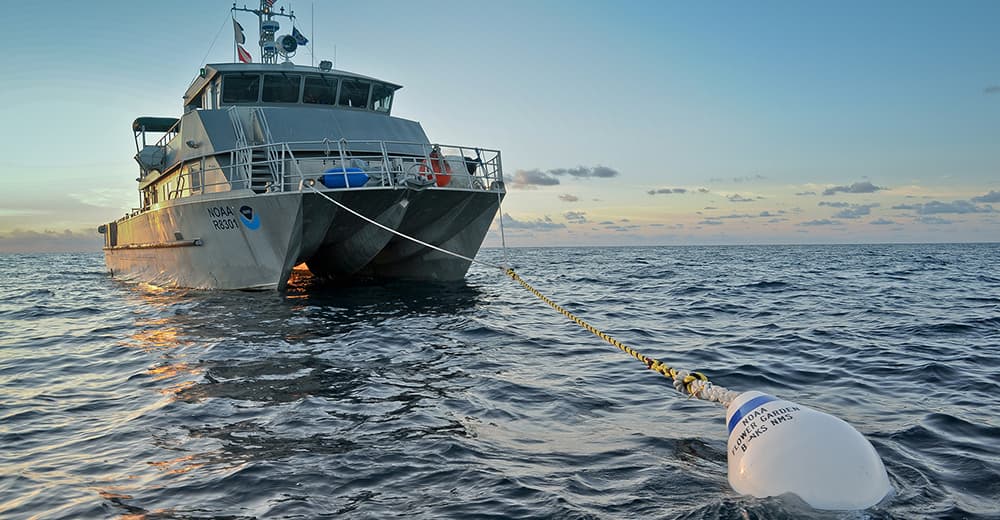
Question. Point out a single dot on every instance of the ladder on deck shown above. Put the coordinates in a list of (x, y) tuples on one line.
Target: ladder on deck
[(241, 157), (270, 155), (261, 177)]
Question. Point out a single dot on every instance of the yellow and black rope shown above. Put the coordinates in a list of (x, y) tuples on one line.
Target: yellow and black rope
[(694, 384), (651, 363)]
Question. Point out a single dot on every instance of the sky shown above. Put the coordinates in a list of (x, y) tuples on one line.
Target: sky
[(620, 123)]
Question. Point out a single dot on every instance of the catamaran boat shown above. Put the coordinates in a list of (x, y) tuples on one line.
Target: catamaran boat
[(240, 189)]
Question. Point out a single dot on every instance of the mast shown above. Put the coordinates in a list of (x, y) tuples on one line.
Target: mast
[(268, 26)]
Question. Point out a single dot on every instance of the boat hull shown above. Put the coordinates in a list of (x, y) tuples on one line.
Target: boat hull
[(454, 220), (252, 241), (350, 242), (209, 243)]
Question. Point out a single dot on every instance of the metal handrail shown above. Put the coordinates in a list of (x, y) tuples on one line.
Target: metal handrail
[(169, 134), (257, 114), (385, 168)]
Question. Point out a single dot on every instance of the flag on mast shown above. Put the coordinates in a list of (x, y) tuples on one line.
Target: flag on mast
[(244, 55), (299, 37), (238, 29)]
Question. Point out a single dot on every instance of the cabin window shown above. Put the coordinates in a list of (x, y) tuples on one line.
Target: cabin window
[(381, 98), (241, 88), (320, 90), (281, 88), (354, 93)]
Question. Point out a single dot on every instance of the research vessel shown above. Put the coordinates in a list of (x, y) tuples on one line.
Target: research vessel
[(235, 192)]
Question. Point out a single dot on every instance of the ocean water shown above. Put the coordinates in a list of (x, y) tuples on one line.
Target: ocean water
[(475, 400)]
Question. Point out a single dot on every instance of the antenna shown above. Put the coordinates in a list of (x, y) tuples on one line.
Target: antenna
[(269, 49), (312, 32)]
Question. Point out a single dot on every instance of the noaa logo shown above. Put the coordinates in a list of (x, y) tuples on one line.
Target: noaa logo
[(249, 218)]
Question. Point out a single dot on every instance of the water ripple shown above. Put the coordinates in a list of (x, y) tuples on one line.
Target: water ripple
[(474, 400)]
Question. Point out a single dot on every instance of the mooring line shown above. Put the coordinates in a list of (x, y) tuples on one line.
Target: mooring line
[(694, 384), (408, 237)]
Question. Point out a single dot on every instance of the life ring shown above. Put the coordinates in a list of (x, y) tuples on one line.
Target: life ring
[(439, 177)]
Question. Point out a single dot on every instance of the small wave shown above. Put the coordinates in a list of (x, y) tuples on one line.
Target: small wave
[(950, 425), (990, 324), (33, 293), (690, 290), (41, 311), (966, 469), (768, 286), (934, 329), (983, 299)]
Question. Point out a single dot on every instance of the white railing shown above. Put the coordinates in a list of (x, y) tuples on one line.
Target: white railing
[(394, 164)]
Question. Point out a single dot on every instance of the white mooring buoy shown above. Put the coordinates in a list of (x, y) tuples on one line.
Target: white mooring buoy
[(777, 447)]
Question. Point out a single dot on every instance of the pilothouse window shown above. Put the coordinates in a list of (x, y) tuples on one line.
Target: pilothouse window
[(281, 88), (381, 98), (354, 93), (320, 90), (240, 88)]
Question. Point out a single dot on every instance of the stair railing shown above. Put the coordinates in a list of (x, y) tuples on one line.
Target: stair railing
[(273, 153), (240, 158)]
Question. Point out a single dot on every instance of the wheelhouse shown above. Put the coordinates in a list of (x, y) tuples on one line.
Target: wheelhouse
[(225, 85)]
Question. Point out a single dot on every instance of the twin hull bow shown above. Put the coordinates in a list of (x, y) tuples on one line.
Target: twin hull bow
[(253, 241)]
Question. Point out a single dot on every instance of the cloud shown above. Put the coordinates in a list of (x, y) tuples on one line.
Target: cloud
[(56, 210), (702, 190), (857, 187), (992, 89), (711, 222), (835, 204), (667, 191), (575, 217), (935, 207), (992, 196), (821, 222), (935, 220), (611, 226), (48, 241), (739, 180), (539, 224), (566, 197), (741, 215), (583, 172), (804, 193), (855, 211), (529, 179), (881, 222), (736, 197)]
